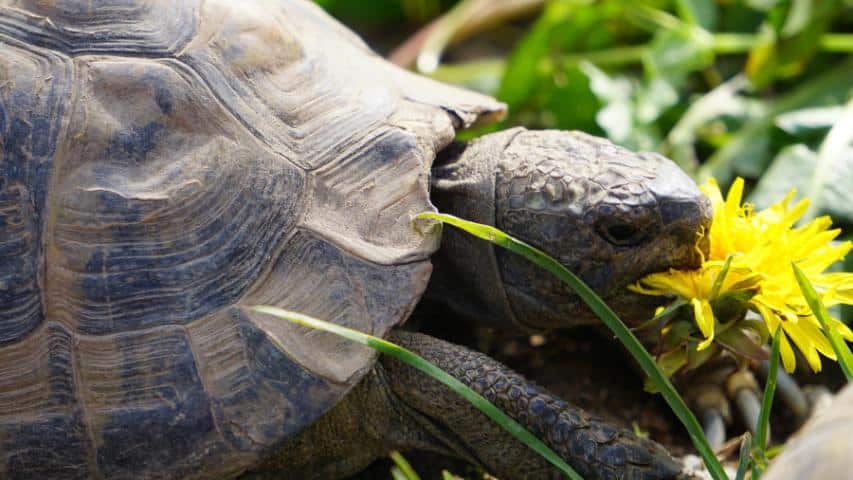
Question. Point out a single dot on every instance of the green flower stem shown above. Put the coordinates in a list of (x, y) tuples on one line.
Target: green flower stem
[(759, 463), (609, 318), (837, 42), (416, 361), (842, 351)]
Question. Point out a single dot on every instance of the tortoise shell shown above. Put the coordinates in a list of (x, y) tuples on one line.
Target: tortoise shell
[(163, 165)]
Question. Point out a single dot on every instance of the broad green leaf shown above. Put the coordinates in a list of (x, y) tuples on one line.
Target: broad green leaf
[(792, 168), (824, 176), (722, 100), (700, 12), (807, 120), (675, 53), (623, 98), (746, 154), (784, 53)]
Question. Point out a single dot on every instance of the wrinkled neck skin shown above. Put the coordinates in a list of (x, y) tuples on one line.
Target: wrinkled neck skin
[(466, 276)]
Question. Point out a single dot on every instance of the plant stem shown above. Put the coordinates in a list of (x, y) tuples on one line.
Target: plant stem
[(837, 42)]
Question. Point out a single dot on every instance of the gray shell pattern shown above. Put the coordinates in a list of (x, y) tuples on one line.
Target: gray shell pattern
[(163, 165)]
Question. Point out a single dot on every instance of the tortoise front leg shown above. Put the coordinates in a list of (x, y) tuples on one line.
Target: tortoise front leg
[(399, 408), (593, 447)]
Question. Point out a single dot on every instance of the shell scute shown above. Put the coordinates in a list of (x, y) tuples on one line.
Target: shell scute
[(33, 84), (161, 218), (160, 176)]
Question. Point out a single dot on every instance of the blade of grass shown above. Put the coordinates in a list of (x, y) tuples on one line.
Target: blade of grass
[(769, 393), (404, 466), (397, 474), (745, 450), (609, 318), (842, 351), (416, 361), (759, 463)]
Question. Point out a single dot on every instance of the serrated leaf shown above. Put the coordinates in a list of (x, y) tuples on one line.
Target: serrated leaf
[(824, 176)]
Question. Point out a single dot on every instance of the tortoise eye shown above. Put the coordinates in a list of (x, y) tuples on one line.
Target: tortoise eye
[(621, 234)]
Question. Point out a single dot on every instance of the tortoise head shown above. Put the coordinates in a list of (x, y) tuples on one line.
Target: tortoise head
[(606, 213)]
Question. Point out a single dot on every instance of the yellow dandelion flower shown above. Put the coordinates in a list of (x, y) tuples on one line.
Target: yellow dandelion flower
[(762, 245)]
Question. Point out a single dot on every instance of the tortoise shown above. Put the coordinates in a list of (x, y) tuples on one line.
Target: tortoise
[(166, 165)]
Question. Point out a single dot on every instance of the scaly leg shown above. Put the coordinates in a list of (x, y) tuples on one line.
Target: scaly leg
[(398, 407)]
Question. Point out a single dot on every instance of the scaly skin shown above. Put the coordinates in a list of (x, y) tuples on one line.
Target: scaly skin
[(398, 407)]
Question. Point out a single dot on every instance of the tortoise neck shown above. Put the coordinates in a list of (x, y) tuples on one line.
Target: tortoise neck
[(466, 274)]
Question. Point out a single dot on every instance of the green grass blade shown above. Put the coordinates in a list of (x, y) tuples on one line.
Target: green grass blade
[(769, 393), (404, 466), (416, 361), (397, 474), (743, 462), (647, 363), (842, 351)]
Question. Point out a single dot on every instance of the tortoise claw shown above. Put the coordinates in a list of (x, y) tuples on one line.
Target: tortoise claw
[(743, 390), (710, 403), (714, 426)]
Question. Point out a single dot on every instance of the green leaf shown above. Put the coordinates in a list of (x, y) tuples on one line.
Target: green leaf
[(791, 168), (404, 466), (824, 176), (842, 351), (608, 317), (769, 393), (737, 341), (675, 53), (418, 362), (746, 154), (807, 120), (788, 45), (724, 100), (701, 12), (523, 71)]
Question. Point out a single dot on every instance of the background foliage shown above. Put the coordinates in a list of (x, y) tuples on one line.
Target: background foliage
[(761, 89)]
